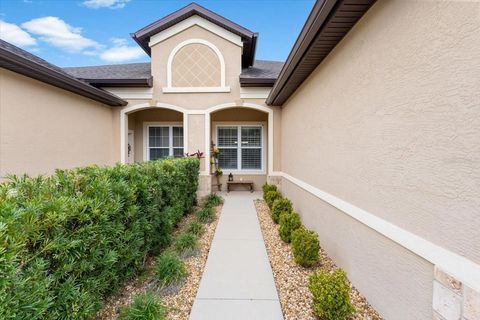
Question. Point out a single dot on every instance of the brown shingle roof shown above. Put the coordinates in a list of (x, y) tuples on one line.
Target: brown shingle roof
[(27, 64), (249, 38), (262, 73), (131, 74)]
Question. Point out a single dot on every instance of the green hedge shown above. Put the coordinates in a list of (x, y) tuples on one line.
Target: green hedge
[(68, 240)]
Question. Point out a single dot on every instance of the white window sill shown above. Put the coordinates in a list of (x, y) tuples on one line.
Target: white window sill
[(226, 172), (195, 89)]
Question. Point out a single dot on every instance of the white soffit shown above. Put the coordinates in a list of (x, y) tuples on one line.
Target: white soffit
[(192, 21), (131, 93), (254, 92)]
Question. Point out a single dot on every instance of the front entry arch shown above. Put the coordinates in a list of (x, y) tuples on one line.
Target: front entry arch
[(144, 106)]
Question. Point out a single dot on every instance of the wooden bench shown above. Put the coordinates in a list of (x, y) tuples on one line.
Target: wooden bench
[(243, 183)]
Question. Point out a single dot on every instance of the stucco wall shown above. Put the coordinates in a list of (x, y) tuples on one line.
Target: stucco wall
[(196, 105), (43, 128), (137, 120), (390, 122), (231, 54)]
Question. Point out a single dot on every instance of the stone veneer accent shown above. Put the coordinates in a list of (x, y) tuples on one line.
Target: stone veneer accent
[(452, 300)]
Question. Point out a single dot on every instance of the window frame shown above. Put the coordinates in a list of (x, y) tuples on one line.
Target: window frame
[(263, 147), (170, 126)]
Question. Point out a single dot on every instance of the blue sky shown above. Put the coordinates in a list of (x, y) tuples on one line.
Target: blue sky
[(94, 32)]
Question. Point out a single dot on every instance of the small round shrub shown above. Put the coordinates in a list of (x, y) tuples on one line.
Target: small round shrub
[(169, 269), (271, 196), (185, 244), (213, 200), (330, 295), (206, 214), (289, 222), (280, 206), (144, 307), (268, 187), (305, 247), (195, 228)]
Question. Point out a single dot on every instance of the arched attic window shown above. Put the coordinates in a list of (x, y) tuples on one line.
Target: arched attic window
[(196, 65)]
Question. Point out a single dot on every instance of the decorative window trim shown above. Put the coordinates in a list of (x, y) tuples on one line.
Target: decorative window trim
[(170, 125), (239, 171), (170, 89)]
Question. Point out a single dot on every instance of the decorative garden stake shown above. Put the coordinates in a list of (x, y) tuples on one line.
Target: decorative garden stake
[(215, 152)]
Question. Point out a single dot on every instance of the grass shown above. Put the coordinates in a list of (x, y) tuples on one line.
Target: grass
[(195, 228), (185, 244), (213, 200), (169, 269), (144, 307), (206, 214)]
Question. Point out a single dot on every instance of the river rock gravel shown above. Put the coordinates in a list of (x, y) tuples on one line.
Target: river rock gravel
[(292, 280)]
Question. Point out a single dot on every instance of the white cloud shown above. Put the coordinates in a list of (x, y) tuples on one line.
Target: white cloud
[(121, 51), (58, 33), (15, 35), (112, 4)]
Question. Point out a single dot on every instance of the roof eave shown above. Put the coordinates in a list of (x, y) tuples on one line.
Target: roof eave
[(257, 82), (143, 35), (304, 56), (18, 64), (144, 82)]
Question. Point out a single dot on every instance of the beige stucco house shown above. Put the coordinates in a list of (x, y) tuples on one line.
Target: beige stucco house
[(371, 127)]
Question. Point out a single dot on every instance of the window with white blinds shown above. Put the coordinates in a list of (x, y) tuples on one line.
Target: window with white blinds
[(241, 147), (164, 141)]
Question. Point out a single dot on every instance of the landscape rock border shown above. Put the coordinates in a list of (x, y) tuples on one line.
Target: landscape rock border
[(292, 280)]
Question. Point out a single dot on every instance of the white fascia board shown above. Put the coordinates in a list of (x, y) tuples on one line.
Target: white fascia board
[(195, 89), (254, 92), (131, 93)]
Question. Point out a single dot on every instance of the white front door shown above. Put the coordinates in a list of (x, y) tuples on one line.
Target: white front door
[(130, 146)]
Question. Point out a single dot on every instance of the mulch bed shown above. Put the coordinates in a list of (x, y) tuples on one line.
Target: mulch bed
[(178, 300), (292, 280)]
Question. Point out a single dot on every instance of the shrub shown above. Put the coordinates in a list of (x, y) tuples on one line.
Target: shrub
[(195, 228), (213, 200), (289, 222), (330, 295), (280, 206), (70, 239), (305, 247), (206, 214), (271, 196), (169, 269), (268, 187), (144, 307), (185, 244)]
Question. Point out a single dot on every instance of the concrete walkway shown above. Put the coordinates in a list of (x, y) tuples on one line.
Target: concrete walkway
[(237, 282)]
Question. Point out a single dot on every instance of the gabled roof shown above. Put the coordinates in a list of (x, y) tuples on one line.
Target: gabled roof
[(115, 75), (27, 64), (328, 22), (248, 37), (263, 73)]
